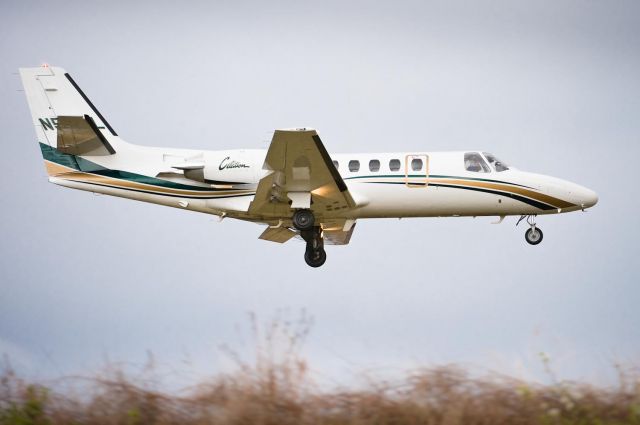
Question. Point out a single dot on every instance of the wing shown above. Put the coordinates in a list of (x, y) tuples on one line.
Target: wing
[(301, 175)]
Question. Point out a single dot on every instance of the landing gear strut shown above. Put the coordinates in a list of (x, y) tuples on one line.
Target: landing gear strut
[(533, 235), (314, 254)]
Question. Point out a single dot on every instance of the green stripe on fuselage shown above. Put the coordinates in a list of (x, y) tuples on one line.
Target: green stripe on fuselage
[(434, 176), (84, 165), (54, 155)]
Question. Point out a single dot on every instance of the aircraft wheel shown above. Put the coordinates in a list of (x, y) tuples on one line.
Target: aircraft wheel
[(315, 257), (533, 235), (303, 220), (315, 243)]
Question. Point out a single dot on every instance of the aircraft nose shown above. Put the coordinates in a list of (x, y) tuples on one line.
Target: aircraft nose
[(588, 198), (577, 195)]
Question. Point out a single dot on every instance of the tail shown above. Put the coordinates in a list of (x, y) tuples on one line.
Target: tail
[(67, 123)]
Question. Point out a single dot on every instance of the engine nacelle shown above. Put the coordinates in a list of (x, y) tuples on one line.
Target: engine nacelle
[(236, 166)]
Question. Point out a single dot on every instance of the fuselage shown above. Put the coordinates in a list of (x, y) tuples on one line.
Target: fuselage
[(400, 184)]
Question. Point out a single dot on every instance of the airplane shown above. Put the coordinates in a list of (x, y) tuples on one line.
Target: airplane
[(295, 188)]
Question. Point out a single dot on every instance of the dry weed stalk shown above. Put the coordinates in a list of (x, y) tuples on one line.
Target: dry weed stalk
[(275, 388)]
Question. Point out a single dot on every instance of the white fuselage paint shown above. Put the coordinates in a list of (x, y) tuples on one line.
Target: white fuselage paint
[(378, 194)]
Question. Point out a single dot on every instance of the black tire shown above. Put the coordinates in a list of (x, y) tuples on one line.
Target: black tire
[(533, 238), (303, 220), (315, 257), (315, 243)]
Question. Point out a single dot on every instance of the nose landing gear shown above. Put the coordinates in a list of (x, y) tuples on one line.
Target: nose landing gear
[(533, 235)]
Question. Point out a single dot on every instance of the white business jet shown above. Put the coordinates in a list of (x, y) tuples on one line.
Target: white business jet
[(295, 187)]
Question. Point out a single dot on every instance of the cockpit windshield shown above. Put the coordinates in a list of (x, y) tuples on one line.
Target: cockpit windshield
[(473, 162), (495, 162)]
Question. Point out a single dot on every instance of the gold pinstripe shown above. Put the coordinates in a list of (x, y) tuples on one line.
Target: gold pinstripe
[(556, 202), (70, 174), (503, 187), (54, 169)]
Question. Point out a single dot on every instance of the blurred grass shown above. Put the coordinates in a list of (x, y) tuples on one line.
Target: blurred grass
[(275, 387)]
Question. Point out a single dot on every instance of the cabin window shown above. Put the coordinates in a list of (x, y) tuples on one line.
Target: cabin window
[(374, 165), (495, 162), (335, 164), (474, 162), (394, 165), (416, 164), (354, 165)]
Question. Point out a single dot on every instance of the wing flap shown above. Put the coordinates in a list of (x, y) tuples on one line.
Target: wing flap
[(338, 232), (277, 234)]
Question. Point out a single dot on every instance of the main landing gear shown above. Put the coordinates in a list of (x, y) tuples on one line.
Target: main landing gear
[(533, 235), (314, 254), (303, 220)]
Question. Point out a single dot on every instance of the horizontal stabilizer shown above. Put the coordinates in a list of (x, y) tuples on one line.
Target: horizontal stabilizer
[(81, 136), (189, 166)]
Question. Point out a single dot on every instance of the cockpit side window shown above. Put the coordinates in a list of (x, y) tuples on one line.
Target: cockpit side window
[(495, 162), (473, 162)]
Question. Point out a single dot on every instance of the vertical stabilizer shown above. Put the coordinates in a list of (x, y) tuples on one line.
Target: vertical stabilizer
[(65, 120)]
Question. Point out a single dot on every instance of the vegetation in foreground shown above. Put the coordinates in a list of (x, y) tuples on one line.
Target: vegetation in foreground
[(276, 388)]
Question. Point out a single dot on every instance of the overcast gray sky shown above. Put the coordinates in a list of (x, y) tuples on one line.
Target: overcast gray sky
[(550, 86)]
